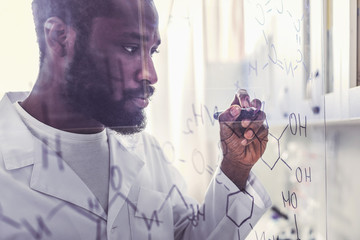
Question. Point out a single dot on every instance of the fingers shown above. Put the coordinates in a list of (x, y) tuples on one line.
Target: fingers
[(255, 131), (256, 103), (236, 100), (227, 121), (254, 126), (245, 134), (251, 135), (230, 114), (249, 109), (244, 119), (244, 99), (242, 131)]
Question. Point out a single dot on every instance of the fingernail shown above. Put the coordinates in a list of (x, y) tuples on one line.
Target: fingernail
[(244, 142), (241, 91), (249, 134), (235, 111)]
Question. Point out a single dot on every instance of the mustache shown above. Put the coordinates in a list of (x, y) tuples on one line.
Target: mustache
[(144, 91)]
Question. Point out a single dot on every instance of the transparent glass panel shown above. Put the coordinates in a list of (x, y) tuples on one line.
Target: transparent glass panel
[(281, 52), (265, 47)]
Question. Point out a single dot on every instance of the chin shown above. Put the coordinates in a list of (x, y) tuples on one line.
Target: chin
[(124, 122), (129, 130)]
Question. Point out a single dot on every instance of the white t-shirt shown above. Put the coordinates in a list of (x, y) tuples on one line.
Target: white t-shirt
[(87, 154)]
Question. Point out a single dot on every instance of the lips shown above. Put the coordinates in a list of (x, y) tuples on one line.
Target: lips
[(140, 102), (140, 97)]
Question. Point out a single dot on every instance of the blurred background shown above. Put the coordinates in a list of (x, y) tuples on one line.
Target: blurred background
[(300, 57)]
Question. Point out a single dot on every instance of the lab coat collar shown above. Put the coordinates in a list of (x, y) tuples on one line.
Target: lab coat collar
[(15, 137), (52, 176), (50, 173)]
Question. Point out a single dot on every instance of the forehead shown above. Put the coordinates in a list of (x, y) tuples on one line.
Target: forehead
[(136, 11), (135, 16)]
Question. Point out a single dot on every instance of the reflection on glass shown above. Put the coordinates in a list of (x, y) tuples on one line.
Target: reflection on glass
[(329, 49)]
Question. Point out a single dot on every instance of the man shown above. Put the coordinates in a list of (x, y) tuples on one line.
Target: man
[(67, 169)]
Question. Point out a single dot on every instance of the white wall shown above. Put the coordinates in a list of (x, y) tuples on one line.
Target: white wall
[(18, 49)]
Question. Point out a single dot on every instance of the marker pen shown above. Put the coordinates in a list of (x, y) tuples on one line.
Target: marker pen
[(246, 113)]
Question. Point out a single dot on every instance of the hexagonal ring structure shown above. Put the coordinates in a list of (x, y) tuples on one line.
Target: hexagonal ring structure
[(240, 216)]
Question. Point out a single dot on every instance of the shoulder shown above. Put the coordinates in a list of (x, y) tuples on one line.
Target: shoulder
[(16, 142)]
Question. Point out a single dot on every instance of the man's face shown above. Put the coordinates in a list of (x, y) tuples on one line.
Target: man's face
[(112, 73)]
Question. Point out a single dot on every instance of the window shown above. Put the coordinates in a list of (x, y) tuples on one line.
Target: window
[(329, 51)]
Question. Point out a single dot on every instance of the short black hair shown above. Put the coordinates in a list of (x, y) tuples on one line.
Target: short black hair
[(76, 13)]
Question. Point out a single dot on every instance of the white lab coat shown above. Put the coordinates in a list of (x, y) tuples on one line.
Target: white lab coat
[(41, 197)]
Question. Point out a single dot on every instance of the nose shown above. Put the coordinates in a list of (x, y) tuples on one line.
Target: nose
[(147, 71)]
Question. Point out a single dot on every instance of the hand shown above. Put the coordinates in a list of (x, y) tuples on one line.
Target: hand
[(243, 140)]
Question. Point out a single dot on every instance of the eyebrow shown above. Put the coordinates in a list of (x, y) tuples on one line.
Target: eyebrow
[(139, 37)]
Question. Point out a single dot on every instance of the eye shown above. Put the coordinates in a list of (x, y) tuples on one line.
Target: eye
[(154, 50), (130, 49)]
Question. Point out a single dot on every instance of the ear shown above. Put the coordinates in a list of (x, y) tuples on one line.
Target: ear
[(58, 35)]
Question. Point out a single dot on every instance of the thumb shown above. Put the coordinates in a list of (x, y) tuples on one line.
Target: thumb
[(230, 114)]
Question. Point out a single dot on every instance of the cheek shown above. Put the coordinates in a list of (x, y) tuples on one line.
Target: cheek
[(118, 72), (116, 77), (123, 74)]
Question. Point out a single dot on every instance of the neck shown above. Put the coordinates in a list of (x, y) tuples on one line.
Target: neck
[(46, 104)]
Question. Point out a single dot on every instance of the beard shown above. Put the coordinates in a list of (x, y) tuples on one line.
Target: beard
[(90, 92)]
